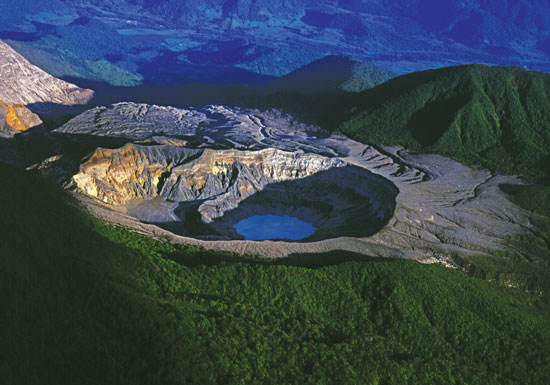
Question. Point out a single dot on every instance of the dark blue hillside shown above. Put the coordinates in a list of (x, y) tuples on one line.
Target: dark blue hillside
[(128, 42)]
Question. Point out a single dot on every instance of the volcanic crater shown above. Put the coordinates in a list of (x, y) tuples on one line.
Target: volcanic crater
[(203, 192), (189, 175)]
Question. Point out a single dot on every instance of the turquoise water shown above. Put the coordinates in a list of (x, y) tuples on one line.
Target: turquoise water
[(261, 227)]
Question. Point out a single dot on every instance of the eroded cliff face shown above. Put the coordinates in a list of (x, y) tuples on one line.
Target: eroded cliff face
[(210, 190), (120, 175), (15, 118), (181, 174)]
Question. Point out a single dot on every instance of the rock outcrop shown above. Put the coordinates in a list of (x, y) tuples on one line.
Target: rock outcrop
[(135, 121), (25, 84), (15, 118), (208, 126), (118, 176), (181, 174)]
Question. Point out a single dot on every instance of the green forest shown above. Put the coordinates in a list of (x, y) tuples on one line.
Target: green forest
[(88, 303), (495, 117)]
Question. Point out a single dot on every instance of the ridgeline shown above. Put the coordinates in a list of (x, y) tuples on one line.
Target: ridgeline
[(496, 117)]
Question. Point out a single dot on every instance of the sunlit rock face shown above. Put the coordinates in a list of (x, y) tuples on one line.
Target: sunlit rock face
[(118, 176), (15, 118), (212, 189), (25, 84), (181, 174), (26, 89)]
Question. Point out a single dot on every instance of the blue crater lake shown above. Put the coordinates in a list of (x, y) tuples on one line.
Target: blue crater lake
[(262, 227)]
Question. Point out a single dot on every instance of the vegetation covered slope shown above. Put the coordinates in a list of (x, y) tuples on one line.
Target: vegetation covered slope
[(498, 117), (87, 303), (337, 73)]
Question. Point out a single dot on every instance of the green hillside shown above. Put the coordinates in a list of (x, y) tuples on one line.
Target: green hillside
[(331, 73), (497, 117), (87, 303)]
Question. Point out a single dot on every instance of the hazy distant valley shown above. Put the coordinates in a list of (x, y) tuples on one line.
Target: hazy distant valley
[(146, 42)]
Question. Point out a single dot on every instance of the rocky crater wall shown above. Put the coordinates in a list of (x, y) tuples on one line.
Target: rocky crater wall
[(205, 192)]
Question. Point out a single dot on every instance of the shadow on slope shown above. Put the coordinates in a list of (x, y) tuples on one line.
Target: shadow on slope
[(306, 260), (194, 94), (167, 69), (339, 202)]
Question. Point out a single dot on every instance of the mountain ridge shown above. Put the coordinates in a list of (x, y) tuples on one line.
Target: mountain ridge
[(493, 116), (330, 73), (23, 83)]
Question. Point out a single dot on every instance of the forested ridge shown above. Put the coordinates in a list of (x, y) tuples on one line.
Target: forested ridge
[(496, 117)]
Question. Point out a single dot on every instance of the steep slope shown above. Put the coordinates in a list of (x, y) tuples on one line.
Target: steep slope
[(340, 73), (133, 171), (23, 83), (87, 303), (495, 116), (15, 118)]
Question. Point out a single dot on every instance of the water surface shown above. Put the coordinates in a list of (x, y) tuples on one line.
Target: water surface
[(262, 227)]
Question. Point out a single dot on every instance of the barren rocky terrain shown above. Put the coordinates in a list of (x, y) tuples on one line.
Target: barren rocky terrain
[(23, 83), (25, 89)]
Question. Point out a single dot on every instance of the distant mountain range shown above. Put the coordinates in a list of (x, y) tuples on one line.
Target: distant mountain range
[(132, 42), (493, 116)]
